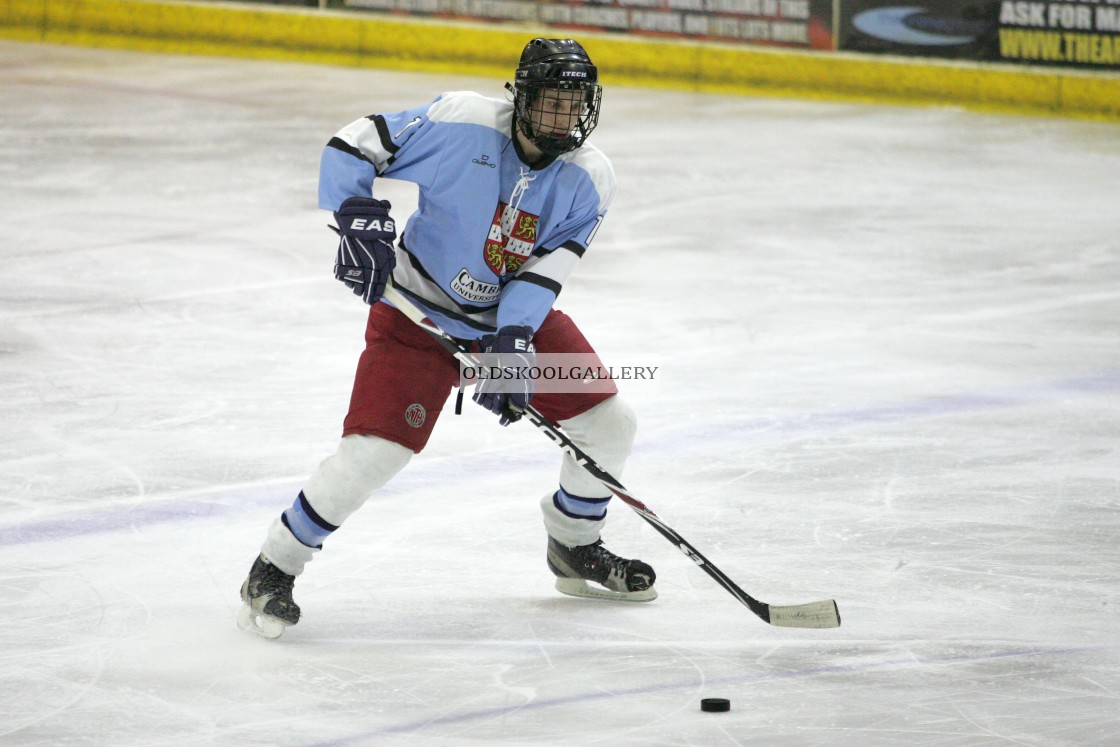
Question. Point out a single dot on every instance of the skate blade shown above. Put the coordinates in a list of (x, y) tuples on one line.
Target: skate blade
[(577, 587), (258, 624)]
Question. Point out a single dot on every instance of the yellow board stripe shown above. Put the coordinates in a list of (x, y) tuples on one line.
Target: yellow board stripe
[(355, 39)]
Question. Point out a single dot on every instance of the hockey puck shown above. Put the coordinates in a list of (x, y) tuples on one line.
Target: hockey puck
[(715, 705)]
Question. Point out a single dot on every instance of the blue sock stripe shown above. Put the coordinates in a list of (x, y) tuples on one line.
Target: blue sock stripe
[(578, 507), (306, 525), (285, 522), (307, 509)]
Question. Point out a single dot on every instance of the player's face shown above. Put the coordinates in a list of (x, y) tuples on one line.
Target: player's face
[(556, 112)]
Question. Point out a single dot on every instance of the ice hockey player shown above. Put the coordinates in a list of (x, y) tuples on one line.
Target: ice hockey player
[(510, 197)]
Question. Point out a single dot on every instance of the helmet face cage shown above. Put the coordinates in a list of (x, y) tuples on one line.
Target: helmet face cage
[(557, 118), (556, 95)]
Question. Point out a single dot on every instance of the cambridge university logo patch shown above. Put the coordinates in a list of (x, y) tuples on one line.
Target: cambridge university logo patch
[(513, 234)]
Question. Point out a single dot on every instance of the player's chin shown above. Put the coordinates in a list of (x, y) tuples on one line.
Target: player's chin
[(557, 135), (561, 144)]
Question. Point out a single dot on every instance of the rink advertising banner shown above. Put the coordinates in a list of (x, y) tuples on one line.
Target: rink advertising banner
[(1081, 33), (804, 24), (1084, 33)]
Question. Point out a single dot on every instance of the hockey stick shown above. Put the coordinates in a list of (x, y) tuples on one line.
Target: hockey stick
[(822, 614)]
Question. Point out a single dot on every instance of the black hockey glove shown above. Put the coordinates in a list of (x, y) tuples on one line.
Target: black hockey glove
[(505, 385), (365, 246)]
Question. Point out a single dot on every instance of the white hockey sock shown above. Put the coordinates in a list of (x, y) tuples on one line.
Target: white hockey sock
[(343, 482), (576, 515)]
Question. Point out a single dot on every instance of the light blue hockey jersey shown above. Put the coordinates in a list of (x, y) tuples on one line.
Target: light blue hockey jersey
[(492, 240)]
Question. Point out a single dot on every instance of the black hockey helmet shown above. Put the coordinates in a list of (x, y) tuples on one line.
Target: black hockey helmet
[(556, 86)]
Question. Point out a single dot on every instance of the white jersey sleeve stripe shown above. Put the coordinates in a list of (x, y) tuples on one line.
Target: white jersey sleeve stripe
[(556, 266), (370, 140)]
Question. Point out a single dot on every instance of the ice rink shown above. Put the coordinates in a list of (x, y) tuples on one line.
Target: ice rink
[(890, 341)]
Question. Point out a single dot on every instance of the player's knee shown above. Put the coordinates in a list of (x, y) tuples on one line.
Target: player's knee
[(623, 420), (344, 480), (372, 460), (610, 424)]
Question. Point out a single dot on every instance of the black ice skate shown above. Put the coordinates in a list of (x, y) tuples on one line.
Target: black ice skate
[(267, 594), (627, 580)]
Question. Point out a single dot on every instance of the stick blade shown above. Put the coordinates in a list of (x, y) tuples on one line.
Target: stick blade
[(823, 614)]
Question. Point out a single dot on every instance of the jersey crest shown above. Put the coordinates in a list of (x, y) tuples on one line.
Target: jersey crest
[(512, 237)]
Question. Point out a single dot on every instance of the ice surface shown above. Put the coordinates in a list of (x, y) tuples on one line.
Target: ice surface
[(891, 351)]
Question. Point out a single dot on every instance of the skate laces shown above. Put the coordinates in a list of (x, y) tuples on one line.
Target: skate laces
[(273, 580), (599, 559)]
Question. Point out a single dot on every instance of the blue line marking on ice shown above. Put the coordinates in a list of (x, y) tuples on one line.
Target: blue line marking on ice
[(794, 425), (908, 662), (134, 516), (226, 500)]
